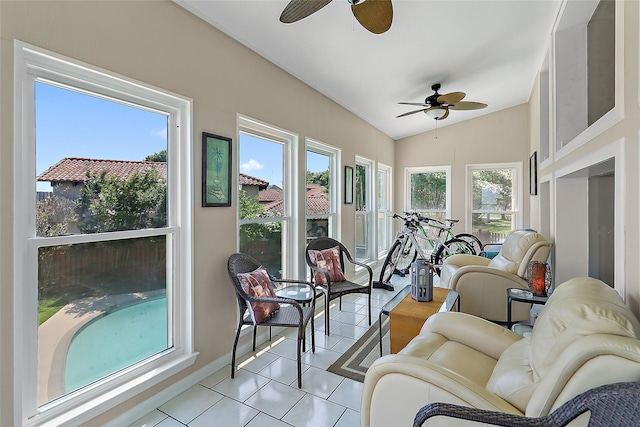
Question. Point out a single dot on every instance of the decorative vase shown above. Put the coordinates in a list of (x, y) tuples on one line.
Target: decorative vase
[(539, 277)]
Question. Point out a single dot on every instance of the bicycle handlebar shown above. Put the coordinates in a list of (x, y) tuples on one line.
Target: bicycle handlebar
[(449, 223)]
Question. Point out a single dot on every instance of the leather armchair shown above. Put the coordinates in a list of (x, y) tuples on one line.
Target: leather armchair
[(482, 283), (584, 337)]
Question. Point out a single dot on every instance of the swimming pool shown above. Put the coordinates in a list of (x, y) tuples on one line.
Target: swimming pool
[(114, 341)]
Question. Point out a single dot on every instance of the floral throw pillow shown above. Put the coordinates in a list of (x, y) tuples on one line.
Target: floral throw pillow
[(329, 261), (257, 283)]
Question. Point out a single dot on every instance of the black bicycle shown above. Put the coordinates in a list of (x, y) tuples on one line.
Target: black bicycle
[(413, 242)]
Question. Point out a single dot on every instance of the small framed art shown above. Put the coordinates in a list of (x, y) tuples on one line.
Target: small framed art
[(216, 170), (533, 174), (348, 185)]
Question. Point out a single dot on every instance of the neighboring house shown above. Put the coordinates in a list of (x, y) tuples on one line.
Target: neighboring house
[(317, 204), (251, 185), (67, 177)]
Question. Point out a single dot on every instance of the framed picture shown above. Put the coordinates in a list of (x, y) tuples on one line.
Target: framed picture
[(533, 174), (348, 185), (216, 170)]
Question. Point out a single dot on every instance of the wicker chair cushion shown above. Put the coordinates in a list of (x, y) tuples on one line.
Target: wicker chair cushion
[(329, 261), (257, 283)]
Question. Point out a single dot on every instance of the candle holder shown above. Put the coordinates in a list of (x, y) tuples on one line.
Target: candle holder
[(539, 277), (422, 280)]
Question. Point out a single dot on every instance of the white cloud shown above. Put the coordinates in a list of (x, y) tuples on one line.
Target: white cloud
[(162, 133), (251, 165)]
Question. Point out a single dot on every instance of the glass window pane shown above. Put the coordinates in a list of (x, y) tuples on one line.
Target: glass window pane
[(492, 189), (102, 307), (318, 183), (362, 212), (261, 169), (429, 191), (492, 227), (263, 241), (101, 165)]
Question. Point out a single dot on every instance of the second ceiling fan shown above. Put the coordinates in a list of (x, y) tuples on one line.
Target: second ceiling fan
[(437, 106), (374, 15)]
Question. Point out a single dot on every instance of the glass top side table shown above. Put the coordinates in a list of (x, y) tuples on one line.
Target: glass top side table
[(521, 295)]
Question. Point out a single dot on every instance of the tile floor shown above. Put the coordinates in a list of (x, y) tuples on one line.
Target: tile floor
[(264, 391)]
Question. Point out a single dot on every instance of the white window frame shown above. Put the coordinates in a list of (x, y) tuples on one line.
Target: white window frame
[(386, 210), (427, 169), (370, 241), (290, 181), (334, 183), (31, 64), (516, 194)]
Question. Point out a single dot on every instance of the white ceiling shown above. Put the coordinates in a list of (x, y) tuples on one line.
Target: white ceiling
[(491, 50)]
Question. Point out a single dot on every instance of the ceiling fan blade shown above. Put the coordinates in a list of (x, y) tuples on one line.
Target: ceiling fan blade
[(412, 112), (374, 15), (419, 104), (451, 98), (465, 105), (299, 9), (446, 114)]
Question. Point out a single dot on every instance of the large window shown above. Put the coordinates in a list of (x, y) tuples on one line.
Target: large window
[(321, 192), (494, 200), (428, 191), (102, 185), (365, 208), (266, 196), (384, 209)]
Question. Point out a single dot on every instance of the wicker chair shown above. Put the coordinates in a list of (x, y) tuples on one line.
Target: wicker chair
[(293, 315), (333, 290), (610, 405)]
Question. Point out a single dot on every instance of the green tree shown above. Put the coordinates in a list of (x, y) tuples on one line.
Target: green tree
[(160, 156), (249, 208), (319, 178), (54, 216), (115, 204), (429, 190)]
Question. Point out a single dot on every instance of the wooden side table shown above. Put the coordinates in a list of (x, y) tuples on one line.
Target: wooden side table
[(407, 318)]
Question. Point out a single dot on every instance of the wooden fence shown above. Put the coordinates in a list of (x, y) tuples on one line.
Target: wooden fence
[(103, 268)]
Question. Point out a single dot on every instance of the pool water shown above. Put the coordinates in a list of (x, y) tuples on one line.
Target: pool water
[(114, 341)]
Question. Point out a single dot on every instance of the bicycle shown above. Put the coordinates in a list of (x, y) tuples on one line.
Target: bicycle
[(413, 242), (445, 228)]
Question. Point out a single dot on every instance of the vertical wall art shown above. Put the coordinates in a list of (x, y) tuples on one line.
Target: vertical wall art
[(348, 185), (533, 174), (216, 170)]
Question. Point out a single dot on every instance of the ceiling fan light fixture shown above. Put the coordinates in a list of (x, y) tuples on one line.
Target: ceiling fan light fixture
[(436, 113)]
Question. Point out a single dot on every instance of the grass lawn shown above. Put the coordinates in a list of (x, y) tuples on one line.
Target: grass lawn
[(48, 307)]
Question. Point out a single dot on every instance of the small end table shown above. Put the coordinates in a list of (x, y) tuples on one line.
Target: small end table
[(521, 295)]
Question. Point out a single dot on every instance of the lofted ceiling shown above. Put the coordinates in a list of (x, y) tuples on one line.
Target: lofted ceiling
[(491, 50)]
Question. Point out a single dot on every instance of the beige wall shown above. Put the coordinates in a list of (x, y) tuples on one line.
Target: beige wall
[(564, 204), (161, 44), (495, 138)]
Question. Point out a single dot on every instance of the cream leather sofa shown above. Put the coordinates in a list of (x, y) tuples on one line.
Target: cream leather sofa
[(482, 283), (584, 337)]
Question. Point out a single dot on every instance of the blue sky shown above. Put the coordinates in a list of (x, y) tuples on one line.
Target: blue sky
[(72, 124)]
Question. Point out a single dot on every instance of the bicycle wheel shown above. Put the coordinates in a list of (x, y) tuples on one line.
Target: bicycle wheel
[(399, 258), (476, 244), (451, 247)]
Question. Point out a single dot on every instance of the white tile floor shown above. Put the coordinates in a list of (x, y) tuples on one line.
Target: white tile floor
[(264, 391)]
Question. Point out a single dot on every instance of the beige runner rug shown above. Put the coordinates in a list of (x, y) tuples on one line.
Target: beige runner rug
[(357, 359)]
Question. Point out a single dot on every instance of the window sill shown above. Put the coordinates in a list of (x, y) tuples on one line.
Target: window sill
[(104, 401)]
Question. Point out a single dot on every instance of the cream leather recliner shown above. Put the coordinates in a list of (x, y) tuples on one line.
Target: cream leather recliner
[(584, 337), (482, 283)]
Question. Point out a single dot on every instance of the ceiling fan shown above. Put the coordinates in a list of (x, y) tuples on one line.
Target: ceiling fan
[(437, 106), (374, 15)]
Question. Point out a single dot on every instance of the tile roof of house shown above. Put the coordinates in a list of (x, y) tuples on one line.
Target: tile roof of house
[(317, 200), (250, 180), (72, 169)]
